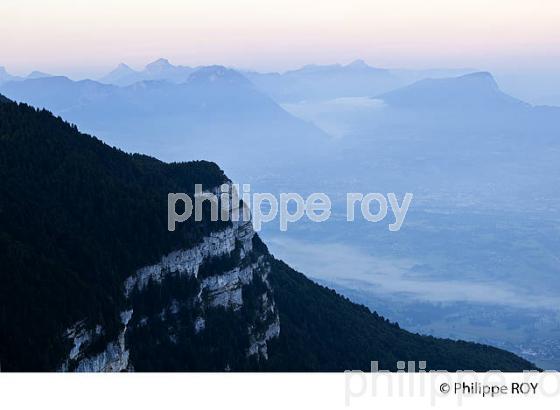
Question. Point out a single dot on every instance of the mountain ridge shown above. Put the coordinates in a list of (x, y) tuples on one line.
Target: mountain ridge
[(160, 69), (466, 91), (214, 102)]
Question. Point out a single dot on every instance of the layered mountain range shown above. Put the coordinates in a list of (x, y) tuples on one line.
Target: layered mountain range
[(176, 121), (160, 69), (92, 280)]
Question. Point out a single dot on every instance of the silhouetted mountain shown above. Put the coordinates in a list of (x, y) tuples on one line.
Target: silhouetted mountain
[(37, 74), (92, 280), (357, 66), (332, 81), (409, 75), (160, 69), (217, 75), (477, 91), (5, 76), (177, 121), (319, 82), (57, 93), (122, 75)]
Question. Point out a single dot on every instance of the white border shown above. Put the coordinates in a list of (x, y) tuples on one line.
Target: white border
[(264, 391)]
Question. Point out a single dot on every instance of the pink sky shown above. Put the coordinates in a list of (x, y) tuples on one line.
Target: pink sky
[(87, 37)]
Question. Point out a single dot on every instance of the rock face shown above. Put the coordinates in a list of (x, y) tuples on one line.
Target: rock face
[(223, 272), (113, 359)]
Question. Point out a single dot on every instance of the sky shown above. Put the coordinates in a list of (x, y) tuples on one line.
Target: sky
[(85, 37)]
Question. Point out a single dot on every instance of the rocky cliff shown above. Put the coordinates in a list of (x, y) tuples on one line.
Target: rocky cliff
[(213, 284)]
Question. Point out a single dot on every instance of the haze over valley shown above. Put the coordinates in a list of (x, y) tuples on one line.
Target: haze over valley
[(477, 257)]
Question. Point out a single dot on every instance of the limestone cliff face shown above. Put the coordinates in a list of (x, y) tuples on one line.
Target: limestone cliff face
[(113, 359), (223, 272)]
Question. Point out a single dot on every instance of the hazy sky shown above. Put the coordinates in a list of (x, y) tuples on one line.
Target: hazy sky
[(89, 36)]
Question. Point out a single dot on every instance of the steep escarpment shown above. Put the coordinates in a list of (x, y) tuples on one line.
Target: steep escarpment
[(92, 280), (207, 307)]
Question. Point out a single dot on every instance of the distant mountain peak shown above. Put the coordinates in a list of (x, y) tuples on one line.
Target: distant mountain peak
[(123, 67), (4, 75), (160, 69), (359, 63), (215, 73), (121, 70), (472, 91), (480, 77), (159, 65), (479, 74), (361, 66), (38, 74), (119, 73)]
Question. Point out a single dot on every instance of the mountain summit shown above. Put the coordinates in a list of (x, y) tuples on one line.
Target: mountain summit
[(476, 91), (320, 82), (5, 76), (38, 74), (121, 75), (158, 66), (217, 74), (158, 70), (359, 63)]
